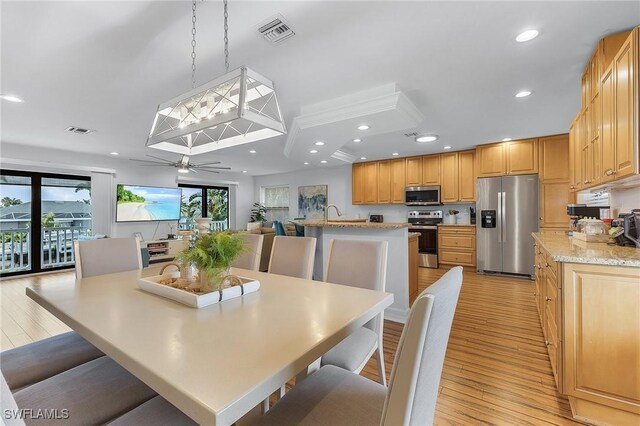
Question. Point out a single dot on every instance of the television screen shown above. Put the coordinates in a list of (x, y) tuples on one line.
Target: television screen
[(147, 203)]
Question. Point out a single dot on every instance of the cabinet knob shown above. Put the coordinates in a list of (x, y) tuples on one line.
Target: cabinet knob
[(547, 299), (609, 172), (547, 265), (547, 343)]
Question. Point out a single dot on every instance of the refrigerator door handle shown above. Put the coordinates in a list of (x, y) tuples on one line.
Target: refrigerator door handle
[(499, 218), (503, 225)]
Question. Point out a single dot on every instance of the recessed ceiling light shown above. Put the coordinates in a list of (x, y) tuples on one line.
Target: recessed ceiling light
[(244, 171), (253, 151), (506, 139), (527, 35), (319, 143), (363, 158), (426, 138), (363, 127), (395, 154), (523, 94), (357, 140), (324, 161), (313, 151), (447, 147), (11, 98), (306, 163), (114, 153)]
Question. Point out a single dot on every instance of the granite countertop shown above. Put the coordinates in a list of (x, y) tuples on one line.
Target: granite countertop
[(563, 248), (330, 224)]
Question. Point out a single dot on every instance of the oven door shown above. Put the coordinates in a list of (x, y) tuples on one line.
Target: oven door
[(427, 245), (422, 195)]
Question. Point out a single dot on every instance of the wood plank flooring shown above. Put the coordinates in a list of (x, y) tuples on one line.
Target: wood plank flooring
[(496, 370)]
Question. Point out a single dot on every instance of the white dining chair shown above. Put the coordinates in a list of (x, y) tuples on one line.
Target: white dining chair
[(336, 396), (293, 256), (358, 264), (106, 256), (250, 258)]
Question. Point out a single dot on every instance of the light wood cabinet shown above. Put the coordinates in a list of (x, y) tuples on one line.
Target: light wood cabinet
[(608, 158), (431, 170), (384, 182), (397, 180), (491, 160), (522, 157), (626, 107), (457, 245), (449, 189), (371, 183), (554, 157), (554, 198), (357, 183), (414, 171), (466, 176)]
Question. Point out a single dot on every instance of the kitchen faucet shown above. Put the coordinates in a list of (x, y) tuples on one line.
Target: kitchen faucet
[(326, 211)]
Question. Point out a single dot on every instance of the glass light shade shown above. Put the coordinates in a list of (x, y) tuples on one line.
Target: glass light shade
[(236, 108)]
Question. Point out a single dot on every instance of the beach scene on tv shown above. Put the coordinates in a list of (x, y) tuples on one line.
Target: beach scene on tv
[(145, 203)]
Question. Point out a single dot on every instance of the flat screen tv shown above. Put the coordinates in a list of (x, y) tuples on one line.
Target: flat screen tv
[(136, 203)]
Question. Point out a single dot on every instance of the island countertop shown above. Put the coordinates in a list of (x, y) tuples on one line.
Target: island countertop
[(563, 248), (338, 224)]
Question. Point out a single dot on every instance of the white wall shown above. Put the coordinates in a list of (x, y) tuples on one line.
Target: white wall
[(128, 172), (339, 181), (623, 200)]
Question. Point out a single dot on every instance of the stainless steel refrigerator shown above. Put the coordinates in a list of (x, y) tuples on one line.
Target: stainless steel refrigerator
[(507, 214)]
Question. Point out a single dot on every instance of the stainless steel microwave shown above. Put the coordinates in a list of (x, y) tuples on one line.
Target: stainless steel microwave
[(422, 195)]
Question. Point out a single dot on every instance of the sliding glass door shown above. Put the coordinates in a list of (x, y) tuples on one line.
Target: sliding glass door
[(205, 201), (15, 223)]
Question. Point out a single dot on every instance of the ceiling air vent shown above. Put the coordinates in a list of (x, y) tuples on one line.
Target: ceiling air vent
[(411, 135), (275, 29), (79, 130)]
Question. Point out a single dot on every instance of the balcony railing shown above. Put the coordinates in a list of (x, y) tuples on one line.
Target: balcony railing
[(56, 248)]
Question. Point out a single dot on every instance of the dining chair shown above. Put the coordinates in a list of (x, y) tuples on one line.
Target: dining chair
[(333, 395), (293, 256), (250, 258), (358, 264), (106, 256)]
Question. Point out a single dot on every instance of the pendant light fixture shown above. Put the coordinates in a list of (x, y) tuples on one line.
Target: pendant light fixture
[(234, 109)]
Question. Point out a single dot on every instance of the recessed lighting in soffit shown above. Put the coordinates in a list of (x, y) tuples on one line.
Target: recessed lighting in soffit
[(527, 35)]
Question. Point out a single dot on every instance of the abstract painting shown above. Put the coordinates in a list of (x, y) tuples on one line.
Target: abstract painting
[(312, 201)]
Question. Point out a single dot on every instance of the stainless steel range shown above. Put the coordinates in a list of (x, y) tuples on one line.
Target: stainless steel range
[(425, 222)]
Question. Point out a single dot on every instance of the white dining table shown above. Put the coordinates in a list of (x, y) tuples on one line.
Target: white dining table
[(214, 363)]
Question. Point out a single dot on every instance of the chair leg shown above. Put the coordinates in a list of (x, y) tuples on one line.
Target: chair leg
[(381, 372)]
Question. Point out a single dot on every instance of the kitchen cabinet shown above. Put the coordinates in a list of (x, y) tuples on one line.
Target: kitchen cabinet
[(491, 160), (431, 170), (384, 182), (466, 176), (357, 183), (457, 245), (608, 158), (626, 82), (371, 183), (414, 171), (554, 198), (507, 158), (554, 157), (449, 190), (397, 180)]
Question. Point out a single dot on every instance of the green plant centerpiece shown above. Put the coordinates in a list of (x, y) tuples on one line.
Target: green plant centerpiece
[(212, 254)]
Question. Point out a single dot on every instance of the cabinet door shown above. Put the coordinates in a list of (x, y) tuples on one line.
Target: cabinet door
[(357, 183), (431, 170), (554, 198), (449, 178), (397, 181), (414, 171), (490, 160), (596, 151), (371, 183), (466, 176), (607, 135), (554, 157), (572, 156), (625, 108), (578, 153), (522, 157), (384, 182)]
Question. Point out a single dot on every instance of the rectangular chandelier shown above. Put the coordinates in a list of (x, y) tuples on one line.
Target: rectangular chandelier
[(236, 108)]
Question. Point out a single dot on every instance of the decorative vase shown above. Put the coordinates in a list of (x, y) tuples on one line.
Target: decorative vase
[(450, 219), (203, 224), (186, 272), (214, 280)]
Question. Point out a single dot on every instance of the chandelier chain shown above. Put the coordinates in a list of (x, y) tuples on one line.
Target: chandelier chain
[(226, 36), (193, 45)]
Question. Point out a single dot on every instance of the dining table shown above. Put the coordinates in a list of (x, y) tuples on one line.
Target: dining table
[(218, 362)]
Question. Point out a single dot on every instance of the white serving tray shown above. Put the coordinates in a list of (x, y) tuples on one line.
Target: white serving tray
[(152, 285)]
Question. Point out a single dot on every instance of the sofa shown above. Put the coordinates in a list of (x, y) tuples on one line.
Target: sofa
[(269, 234)]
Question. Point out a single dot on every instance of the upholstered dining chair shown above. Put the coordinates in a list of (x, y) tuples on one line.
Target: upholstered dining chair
[(358, 264), (333, 395), (293, 256), (250, 258), (106, 256)]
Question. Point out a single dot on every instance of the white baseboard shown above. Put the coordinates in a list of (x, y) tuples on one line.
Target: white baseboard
[(396, 315)]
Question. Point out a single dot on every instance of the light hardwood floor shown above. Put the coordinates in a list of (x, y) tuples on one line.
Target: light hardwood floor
[(496, 371)]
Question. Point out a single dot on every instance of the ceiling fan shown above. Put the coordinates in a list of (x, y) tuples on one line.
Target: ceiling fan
[(183, 165)]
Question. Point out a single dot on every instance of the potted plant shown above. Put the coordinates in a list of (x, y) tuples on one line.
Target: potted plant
[(452, 218), (212, 254), (258, 215)]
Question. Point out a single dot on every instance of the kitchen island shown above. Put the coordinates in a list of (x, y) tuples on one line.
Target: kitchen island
[(396, 234), (588, 298)]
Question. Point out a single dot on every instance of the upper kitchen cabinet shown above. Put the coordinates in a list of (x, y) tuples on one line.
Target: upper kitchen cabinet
[(466, 176), (458, 179), (507, 158), (371, 183), (554, 157), (397, 180), (491, 160), (449, 189), (625, 124), (384, 182), (431, 170), (414, 171), (357, 183)]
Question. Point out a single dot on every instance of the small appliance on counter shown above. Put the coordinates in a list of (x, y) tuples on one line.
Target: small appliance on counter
[(376, 218), (627, 229), (472, 215), (581, 211), (425, 222)]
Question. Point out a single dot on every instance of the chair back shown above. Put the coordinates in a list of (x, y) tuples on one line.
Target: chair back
[(415, 378), (8, 406), (293, 256), (250, 257), (279, 227), (106, 256)]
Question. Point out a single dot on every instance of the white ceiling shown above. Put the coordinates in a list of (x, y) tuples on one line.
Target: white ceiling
[(106, 66)]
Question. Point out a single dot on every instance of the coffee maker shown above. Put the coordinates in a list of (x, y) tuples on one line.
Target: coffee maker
[(580, 211), (629, 229)]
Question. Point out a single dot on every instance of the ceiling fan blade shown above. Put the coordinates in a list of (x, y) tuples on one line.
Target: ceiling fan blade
[(208, 171), (206, 164), (193, 170), (212, 168), (161, 159), (147, 161)]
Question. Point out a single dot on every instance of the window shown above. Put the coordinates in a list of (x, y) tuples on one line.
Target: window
[(216, 202), (276, 200)]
